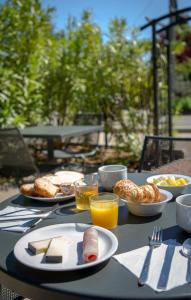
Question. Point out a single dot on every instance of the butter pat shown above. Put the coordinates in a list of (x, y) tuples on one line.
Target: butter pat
[(38, 247), (55, 249)]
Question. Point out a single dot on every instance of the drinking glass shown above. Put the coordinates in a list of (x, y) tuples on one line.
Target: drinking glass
[(84, 188), (104, 210)]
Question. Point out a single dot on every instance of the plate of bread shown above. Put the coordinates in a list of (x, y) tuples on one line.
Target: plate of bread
[(52, 187)]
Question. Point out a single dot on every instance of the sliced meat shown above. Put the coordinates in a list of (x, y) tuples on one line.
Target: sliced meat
[(90, 245)]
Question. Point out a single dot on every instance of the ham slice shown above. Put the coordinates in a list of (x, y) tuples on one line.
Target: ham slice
[(90, 245)]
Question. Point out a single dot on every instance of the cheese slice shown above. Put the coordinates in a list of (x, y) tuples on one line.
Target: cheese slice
[(37, 247), (56, 249), (40, 246)]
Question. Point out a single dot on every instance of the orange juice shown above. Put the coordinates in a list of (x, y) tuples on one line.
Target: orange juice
[(104, 213), (82, 195)]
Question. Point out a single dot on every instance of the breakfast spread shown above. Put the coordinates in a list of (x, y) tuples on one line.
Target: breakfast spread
[(50, 185), (170, 181), (55, 247), (128, 190), (90, 245)]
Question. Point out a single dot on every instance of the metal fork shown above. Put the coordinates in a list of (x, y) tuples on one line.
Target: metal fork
[(155, 241)]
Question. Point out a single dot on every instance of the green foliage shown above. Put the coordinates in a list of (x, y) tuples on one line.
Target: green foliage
[(47, 77), (25, 32), (182, 105)]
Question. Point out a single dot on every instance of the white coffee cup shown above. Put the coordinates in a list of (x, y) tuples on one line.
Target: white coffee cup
[(110, 174), (183, 212)]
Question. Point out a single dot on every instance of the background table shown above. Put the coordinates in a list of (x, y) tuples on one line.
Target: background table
[(51, 132), (105, 281)]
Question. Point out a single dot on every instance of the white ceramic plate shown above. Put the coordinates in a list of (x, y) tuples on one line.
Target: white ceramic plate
[(66, 177), (72, 258), (69, 176), (58, 198)]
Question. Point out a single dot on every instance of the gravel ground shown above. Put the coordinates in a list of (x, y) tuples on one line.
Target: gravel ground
[(7, 193)]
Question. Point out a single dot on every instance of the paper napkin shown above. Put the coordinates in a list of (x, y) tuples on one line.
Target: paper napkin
[(17, 225), (134, 261)]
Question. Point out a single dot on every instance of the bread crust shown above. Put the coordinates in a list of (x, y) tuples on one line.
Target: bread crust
[(45, 188), (28, 189), (123, 188)]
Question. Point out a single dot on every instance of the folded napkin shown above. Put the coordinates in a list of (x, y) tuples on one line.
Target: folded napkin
[(17, 225), (134, 261)]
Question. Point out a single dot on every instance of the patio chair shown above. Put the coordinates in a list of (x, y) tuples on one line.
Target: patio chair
[(83, 146), (159, 154), (15, 158)]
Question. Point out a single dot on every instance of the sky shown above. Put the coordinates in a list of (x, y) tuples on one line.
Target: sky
[(134, 11)]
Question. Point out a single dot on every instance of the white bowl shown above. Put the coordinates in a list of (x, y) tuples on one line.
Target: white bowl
[(175, 190), (149, 209)]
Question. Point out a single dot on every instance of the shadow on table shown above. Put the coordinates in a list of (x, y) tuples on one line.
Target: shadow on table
[(68, 210), (26, 202), (175, 233), (31, 275), (125, 217)]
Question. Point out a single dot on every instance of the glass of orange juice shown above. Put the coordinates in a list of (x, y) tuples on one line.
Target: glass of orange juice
[(104, 210), (84, 188)]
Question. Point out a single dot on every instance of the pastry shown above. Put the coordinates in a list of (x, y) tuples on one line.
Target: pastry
[(128, 190), (45, 188), (123, 188)]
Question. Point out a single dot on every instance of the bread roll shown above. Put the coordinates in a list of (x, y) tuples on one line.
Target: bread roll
[(28, 189), (128, 190), (123, 188)]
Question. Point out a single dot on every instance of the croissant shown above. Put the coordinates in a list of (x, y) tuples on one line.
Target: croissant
[(128, 190)]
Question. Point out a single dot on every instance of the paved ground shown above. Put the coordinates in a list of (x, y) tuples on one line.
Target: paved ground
[(182, 124), (6, 193)]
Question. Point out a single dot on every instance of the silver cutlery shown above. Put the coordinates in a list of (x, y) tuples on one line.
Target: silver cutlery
[(31, 215), (155, 241), (163, 279), (24, 217), (186, 251)]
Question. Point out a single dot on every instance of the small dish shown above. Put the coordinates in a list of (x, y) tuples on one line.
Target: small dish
[(149, 209), (175, 190)]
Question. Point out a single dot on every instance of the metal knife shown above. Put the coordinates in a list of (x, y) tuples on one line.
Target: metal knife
[(164, 275)]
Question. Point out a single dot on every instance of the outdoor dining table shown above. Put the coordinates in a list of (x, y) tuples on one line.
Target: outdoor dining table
[(108, 280), (51, 132)]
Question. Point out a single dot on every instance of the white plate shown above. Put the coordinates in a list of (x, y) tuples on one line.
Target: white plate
[(72, 259), (69, 176), (66, 177), (58, 198)]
